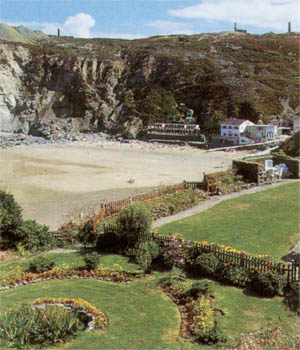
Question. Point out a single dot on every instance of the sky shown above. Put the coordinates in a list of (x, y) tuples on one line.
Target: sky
[(132, 19)]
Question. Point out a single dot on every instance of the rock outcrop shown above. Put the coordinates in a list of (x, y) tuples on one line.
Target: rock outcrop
[(119, 86)]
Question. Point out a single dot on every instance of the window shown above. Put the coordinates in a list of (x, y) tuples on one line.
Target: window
[(236, 134), (229, 127), (236, 127), (224, 134), (230, 134), (224, 127)]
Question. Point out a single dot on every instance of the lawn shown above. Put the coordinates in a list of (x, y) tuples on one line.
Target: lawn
[(140, 317), (73, 260), (246, 313), (266, 222)]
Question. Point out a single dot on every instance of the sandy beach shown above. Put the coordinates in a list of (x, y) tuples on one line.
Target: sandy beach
[(49, 181)]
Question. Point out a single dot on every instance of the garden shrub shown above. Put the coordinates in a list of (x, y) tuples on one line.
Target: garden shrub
[(176, 254), (92, 261), (146, 253), (292, 297), (207, 265), (86, 234), (34, 236), (175, 275), (15, 232), (174, 202), (238, 276), (38, 326), (268, 284), (211, 336), (203, 287), (10, 220), (134, 222), (40, 264), (108, 239)]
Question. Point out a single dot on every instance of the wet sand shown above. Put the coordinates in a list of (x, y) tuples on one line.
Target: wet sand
[(49, 181)]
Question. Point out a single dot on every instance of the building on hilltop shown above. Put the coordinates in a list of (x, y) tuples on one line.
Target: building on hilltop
[(296, 123), (239, 30)]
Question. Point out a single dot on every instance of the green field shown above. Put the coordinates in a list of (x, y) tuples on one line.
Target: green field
[(266, 222)]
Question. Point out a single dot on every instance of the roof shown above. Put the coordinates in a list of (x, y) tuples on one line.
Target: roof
[(234, 121)]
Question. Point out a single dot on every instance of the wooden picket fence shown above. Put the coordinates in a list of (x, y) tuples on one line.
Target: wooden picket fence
[(193, 185), (290, 270), (115, 207)]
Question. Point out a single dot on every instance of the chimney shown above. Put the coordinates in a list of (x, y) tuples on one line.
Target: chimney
[(58, 32), (289, 27)]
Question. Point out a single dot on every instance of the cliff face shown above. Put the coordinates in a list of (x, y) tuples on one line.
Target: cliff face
[(118, 86)]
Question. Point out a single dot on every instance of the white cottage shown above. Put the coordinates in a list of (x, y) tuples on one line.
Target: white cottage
[(233, 131)]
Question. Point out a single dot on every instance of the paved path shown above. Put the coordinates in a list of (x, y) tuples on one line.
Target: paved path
[(214, 201)]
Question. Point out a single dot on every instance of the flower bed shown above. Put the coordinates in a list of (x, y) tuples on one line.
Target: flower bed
[(97, 319), (195, 302), (18, 278)]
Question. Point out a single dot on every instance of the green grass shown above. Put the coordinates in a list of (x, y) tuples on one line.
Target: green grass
[(73, 260), (245, 314), (140, 317), (266, 222)]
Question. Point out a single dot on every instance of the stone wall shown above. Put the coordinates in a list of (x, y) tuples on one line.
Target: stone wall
[(250, 170)]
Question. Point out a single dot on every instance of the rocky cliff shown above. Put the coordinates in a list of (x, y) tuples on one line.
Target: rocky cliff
[(119, 86)]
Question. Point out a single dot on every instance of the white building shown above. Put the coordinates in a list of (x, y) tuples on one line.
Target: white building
[(261, 133), (296, 124), (233, 131)]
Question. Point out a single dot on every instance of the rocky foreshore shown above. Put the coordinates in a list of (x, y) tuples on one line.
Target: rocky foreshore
[(13, 139)]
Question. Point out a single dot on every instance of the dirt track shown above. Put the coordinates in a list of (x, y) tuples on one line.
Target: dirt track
[(51, 180)]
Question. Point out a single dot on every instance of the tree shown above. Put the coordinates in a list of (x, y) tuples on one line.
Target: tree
[(133, 222), (10, 220)]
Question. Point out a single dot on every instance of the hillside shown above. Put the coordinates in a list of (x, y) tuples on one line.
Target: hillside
[(20, 34), (291, 147), (119, 86)]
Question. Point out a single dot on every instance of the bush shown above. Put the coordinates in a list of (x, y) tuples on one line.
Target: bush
[(108, 239), (268, 284), (34, 236), (292, 297), (40, 264), (146, 253), (10, 220), (211, 336), (133, 222), (38, 326), (203, 287), (92, 261), (207, 265), (238, 276), (86, 234)]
